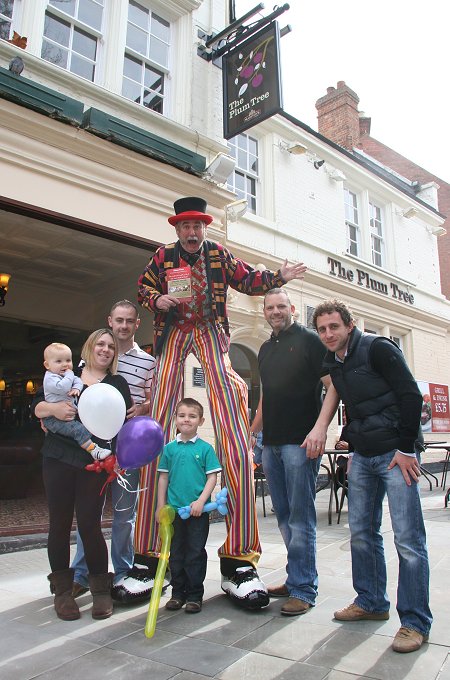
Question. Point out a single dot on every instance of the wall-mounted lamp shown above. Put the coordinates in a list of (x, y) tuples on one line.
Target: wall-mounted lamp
[(236, 209), (220, 168), (2, 385), (337, 175), (294, 148), (30, 387), (318, 164), (4, 280), (410, 212)]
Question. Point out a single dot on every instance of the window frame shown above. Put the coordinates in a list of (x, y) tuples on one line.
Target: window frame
[(247, 173), (372, 226), (14, 19), (146, 61), (76, 25), (351, 223), (398, 339), (376, 230)]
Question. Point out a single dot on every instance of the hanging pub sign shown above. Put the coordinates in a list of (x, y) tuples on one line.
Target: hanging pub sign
[(252, 81)]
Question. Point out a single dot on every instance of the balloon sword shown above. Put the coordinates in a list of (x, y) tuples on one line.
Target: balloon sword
[(166, 517)]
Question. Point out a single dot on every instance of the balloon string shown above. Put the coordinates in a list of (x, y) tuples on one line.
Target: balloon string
[(125, 484)]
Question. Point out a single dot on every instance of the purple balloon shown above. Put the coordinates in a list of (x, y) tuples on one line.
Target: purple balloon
[(139, 442)]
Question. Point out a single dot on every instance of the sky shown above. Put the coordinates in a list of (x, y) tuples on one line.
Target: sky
[(393, 53)]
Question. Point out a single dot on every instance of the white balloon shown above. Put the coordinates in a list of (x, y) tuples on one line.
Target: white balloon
[(102, 410)]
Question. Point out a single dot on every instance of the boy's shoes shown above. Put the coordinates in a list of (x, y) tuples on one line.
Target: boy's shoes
[(408, 640), (354, 613), (175, 603), (193, 607), (98, 453), (245, 588)]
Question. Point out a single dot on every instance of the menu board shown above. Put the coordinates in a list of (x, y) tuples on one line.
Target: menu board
[(435, 407)]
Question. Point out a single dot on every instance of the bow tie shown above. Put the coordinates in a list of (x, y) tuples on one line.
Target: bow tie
[(190, 258)]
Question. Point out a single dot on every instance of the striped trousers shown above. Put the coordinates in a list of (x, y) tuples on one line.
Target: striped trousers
[(227, 396)]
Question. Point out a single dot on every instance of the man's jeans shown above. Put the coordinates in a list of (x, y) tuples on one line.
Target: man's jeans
[(122, 534), (368, 482), (292, 483)]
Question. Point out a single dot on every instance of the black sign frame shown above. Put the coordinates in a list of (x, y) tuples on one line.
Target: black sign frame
[(251, 77), (198, 377)]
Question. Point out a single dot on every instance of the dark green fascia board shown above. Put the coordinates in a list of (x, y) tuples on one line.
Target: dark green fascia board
[(25, 92), (39, 98), (137, 139)]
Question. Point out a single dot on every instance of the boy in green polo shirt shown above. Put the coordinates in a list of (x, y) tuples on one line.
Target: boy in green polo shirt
[(188, 470)]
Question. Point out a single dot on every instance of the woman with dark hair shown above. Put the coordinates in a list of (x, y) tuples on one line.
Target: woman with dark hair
[(70, 487)]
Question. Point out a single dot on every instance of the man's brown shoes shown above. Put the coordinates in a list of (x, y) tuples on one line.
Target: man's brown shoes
[(408, 640), (278, 591), (295, 607), (355, 613)]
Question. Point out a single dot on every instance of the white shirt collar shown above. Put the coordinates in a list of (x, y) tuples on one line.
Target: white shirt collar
[(133, 350), (193, 440)]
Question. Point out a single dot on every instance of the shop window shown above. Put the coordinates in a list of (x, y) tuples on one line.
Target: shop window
[(309, 313), (245, 362), (244, 179), (72, 30), (146, 61)]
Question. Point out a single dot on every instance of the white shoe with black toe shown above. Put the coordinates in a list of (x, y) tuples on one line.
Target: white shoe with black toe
[(245, 588), (136, 586)]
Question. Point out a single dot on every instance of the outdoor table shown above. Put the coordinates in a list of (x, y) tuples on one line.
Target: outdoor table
[(334, 483), (446, 447)]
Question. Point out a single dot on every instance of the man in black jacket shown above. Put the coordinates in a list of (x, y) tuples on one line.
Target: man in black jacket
[(383, 407), (290, 367)]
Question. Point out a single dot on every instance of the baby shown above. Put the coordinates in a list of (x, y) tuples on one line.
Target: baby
[(60, 383)]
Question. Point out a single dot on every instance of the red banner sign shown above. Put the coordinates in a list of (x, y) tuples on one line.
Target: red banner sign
[(435, 407)]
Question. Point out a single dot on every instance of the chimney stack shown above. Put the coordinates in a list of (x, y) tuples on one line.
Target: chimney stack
[(338, 116)]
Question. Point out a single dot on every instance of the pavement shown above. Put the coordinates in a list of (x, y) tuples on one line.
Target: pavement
[(224, 641)]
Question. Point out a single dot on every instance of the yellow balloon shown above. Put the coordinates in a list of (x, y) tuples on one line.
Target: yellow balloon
[(166, 517)]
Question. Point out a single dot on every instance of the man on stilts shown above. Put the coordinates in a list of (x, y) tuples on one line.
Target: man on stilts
[(198, 324)]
